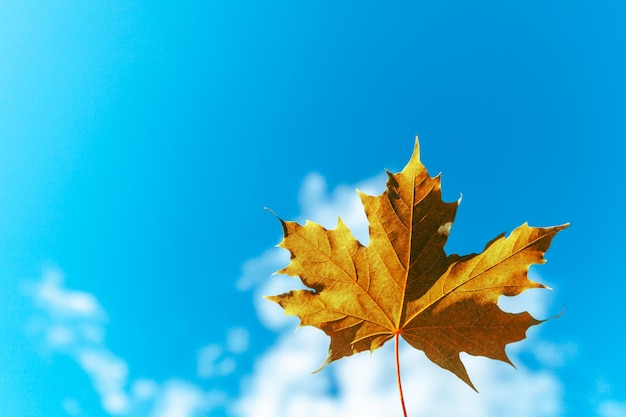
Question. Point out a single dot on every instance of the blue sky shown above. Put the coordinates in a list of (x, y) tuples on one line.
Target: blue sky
[(140, 142)]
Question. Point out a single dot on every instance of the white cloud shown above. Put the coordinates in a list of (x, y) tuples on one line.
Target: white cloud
[(179, 398), (282, 377), (553, 355), (68, 318), (50, 295), (72, 323), (324, 208), (72, 407), (237, 340), (212, 361), (144, 389), (60, 335), (252, 270), (612, 409), (365, 385), (218, 360), (109, 375)]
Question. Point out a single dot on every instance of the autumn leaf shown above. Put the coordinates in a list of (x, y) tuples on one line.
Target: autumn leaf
[(403, 283)]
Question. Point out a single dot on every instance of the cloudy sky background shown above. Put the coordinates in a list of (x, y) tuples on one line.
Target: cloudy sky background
[(140, 142)]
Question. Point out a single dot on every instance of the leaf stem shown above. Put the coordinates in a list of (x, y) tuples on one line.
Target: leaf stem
[(396, 343)]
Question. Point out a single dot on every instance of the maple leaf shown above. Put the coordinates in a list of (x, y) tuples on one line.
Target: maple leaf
[(403, 283)]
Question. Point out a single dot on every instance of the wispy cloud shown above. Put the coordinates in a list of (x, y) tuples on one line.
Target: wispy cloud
[(109, 375), (237, 340), (67, 318), (364, 385), (72, 323), (612, 409), (324, 206), (180, 398), (60, 302), (219, 359)]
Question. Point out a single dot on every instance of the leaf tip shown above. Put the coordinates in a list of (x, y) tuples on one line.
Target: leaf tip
[(470, 383), (416, 151), (282, 224), (271, 211), (562, 226), (270, 298), (510, 363), (326, 362)]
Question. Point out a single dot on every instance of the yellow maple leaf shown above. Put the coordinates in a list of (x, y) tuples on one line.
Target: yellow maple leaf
[(404, 284)]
